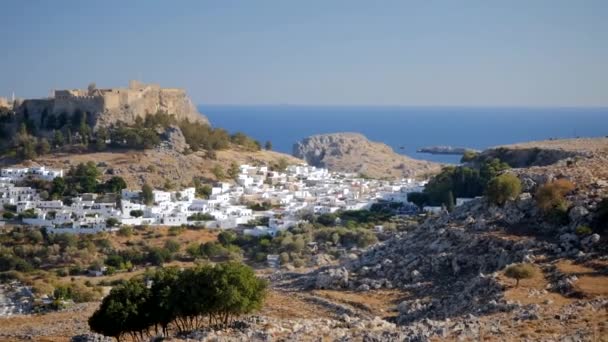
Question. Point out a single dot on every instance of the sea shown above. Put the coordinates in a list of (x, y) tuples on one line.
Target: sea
[(406, 129)]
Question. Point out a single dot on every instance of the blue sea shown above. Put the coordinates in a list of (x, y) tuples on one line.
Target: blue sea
[(407, 128)]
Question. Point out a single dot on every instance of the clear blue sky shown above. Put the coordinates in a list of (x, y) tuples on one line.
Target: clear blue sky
[(513, 53)]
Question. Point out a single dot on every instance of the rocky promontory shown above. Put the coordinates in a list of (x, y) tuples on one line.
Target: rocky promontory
[(353, 152)]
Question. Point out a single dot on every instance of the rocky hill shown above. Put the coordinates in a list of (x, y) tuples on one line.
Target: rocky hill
[(353, 152), (451, 267), (542, 153), (108, 106)]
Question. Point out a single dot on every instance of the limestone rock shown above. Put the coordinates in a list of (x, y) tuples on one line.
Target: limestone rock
[(353, 152)]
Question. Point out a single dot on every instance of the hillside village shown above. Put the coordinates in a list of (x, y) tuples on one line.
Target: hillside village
[(281, 197)]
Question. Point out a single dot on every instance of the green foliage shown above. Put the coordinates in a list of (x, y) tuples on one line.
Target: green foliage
[(172, 246), (244, 141), (201, 217), (125, 231), (233, 171), (468, 156), (112, 222), (355, 237), (327, 219), (263, 206), (114, 185), (218, 172), (268, 145), (203, 137), (503, 188), (281, 165), (520, 271), (213, 294), (226, 237), (146, 194), (420, 199), (583, 230), (202, 190), (59, 187), (136, 213), (82, 178)]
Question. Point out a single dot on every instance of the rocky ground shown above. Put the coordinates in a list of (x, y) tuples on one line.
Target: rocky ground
[(353, 152), (441, 280)]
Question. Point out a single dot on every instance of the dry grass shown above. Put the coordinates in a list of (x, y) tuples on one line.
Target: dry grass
[(592, 281), (380, 303), (157, 167)]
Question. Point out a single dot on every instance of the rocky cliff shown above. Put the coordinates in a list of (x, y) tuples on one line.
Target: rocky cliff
[(353, 152), (104, 107)]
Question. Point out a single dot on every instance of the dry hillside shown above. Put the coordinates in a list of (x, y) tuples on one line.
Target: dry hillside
[(158, 166)]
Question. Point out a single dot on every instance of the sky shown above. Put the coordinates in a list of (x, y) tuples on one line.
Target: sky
[(411, 53)]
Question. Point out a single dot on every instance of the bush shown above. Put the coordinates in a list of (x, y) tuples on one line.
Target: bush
[(520, 271), (583, 230), (468, 156), (503, 188), (551, 195), (136, 213), (125, 231)]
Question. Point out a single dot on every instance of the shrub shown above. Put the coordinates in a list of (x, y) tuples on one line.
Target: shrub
[(551, 195), (503, 188), (136, 213), (125, 231), (520, 271), (583, 230), (112, 222), (468, 156)]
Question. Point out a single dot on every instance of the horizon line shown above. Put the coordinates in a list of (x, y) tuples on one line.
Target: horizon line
[(605, 107)]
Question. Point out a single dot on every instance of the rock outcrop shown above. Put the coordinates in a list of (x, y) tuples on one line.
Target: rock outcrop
[(112, 105), (353, 152)]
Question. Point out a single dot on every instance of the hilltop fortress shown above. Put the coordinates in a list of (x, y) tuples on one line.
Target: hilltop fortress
[(107, 106)]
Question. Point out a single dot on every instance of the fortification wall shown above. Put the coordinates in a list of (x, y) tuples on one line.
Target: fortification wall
[(90, 104), (150, 100)]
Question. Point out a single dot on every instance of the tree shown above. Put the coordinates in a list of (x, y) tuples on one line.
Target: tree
[(136, 213), (100, 139), (58, 187), (520, 271), (234, 170), (226, 237), (420, 199), (112, 222), (503, 188), (58, 139), (123, 311), (43, 147), (115, 184), (449, 201), (218, 172), (202, 190), (327, 219), (268, 145), (147, 195), (282, 164)]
